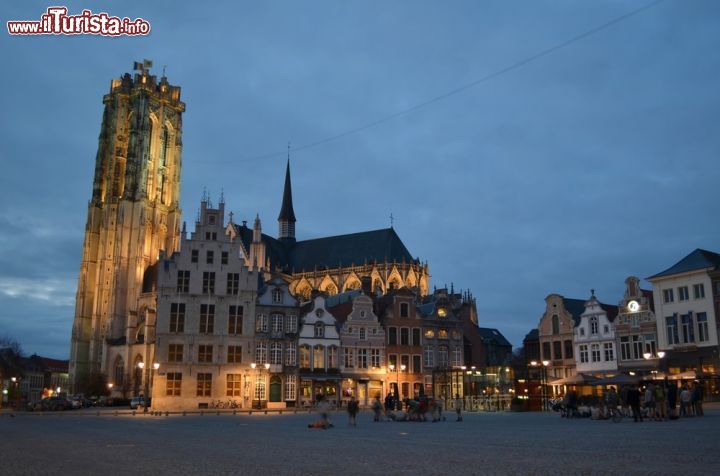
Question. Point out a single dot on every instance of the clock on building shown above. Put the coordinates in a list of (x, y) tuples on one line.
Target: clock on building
[(633, 306)]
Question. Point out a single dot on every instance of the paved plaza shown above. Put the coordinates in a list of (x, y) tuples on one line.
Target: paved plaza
[(484, 443)]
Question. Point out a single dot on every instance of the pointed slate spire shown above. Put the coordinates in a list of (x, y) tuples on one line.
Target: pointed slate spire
[(286, 219)]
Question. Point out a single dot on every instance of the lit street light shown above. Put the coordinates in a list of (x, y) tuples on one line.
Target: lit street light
[(148, 375)]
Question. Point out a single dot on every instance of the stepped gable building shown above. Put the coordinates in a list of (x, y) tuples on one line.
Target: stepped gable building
[(133, 216), (687, 305), (636, 329), (205, 344), (333, 264)]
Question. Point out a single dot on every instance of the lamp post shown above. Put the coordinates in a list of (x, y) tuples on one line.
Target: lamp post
[(394, 368), (658, 355), (258, 377), (16, 381), (544, 384), (148, 375)]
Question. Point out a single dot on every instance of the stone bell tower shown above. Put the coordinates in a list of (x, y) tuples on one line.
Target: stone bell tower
[(133, 215)]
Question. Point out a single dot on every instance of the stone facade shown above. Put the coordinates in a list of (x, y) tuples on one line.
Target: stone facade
[(636, 329), (555, 332), (133, 216), (205, 330)]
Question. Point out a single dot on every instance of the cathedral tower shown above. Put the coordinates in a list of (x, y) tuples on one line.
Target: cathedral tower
[(133, 215)]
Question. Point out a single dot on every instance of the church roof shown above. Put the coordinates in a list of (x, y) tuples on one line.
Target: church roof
[(698, 259), (345, 250), (332, 251)]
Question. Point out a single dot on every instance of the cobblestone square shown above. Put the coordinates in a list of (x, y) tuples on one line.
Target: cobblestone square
[(484, 443)]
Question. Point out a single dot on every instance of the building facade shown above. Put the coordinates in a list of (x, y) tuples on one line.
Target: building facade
[(319, 354), (276, 343), (595, 345), (687, 302), (205, 331), (133, 216), (555, 333), (362, 339), (636, 330)]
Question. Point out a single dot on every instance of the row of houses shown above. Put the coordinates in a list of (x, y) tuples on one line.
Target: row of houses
[(29, 379), (223, 331), (670, 330)]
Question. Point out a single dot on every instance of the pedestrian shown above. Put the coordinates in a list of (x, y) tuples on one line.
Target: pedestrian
[(440, 407), (611, 400), (353, 407), (660, 403), (649, 400), (458, 407), (672, 396), (685, 401), (697, 398), (633, 399), (389, 403), (377, 408)]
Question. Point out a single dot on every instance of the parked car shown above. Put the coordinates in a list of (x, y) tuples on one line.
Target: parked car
[(51, 404), (137, 402)]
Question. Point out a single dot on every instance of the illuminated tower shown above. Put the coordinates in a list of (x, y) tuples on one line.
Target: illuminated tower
[(133, 216)]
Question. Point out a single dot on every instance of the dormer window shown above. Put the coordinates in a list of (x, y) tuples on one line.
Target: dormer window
[(277, 296)]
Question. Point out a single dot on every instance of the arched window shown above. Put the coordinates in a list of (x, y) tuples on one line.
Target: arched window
[(119, 372), (593, 325), (555, 324)]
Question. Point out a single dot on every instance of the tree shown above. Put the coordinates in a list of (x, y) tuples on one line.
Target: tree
[(96, 385)]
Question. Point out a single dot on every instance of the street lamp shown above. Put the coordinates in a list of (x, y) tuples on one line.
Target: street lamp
[(397, 370), (544, 383), (257, 393), (148, 375), (16, 381)]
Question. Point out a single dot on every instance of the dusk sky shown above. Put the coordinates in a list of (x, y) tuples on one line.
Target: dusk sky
[(597, 159)]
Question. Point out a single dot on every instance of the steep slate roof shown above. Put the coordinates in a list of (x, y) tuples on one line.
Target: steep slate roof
[(610, 310), (698, 259), (533, 335), (493, 336), (345, 250), (575, 307), (286, 210)]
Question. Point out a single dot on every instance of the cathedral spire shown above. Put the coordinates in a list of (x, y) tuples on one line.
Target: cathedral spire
[(286, 220)]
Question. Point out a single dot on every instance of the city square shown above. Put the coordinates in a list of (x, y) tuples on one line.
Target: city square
[(106, 442)]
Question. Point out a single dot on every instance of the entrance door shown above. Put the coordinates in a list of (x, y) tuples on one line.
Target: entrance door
[(275, 389)]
